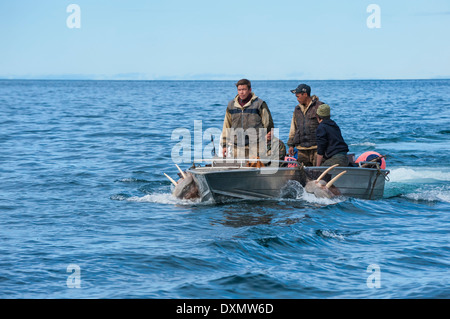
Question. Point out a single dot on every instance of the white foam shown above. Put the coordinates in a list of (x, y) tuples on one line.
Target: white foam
[(368, 144), (417, 174), (429, 183), (132, 180), (164, 198), (169, 199), (331, 234), (154, 198), (432, 193), (311, 198)]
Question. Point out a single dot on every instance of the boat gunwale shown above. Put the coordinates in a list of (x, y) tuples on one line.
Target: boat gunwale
[(224, 169)]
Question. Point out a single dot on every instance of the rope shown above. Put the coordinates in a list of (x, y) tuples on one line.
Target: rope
[(379, 172)]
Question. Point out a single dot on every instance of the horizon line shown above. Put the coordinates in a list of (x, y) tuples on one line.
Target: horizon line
[(81, 78)]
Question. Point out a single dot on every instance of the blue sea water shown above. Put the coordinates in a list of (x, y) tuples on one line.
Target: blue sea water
[(81, 183)]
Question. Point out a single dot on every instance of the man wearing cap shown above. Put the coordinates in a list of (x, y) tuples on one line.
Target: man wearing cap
[(248, 113), (331, 148), (302, 134)]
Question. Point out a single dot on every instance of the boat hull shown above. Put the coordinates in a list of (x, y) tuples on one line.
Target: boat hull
[(257, 183)]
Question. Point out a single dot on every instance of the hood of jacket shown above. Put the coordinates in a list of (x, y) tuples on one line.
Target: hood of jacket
[(236, 101)]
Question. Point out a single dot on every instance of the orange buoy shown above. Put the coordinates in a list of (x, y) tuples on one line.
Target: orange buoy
[(291, 159), (368, 156)]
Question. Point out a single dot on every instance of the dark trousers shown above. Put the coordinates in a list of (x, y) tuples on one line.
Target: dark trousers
[(339, 158)]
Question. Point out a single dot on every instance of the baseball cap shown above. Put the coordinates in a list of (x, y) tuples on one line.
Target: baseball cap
[(302, 88)]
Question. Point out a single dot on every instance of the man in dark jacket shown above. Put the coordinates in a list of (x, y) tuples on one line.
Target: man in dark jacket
[(331, 147), (302, 134)]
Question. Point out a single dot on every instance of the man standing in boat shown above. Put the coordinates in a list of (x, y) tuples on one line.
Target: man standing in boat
[(302, 134), (247, 121)]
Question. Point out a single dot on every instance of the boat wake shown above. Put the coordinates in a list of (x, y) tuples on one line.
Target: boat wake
[(162, 198), (419, 175), (420, 184), (312, 199), (431, 194), (293, 191)]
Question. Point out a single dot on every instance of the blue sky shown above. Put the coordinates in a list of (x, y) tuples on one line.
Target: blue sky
[(230, 39)]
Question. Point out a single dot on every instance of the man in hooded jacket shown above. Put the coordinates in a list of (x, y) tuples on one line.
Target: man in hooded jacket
[(250, 114)]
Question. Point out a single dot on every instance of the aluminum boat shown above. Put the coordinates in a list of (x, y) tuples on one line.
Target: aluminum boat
[(223, 179)]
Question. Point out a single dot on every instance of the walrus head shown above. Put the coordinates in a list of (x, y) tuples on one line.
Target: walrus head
[(186, 187), (322, 189)]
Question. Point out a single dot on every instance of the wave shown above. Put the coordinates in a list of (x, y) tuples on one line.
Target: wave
[(312, 199), (424, 175), (158, 198), (368, 144), (325, 233), (421, 184), (294, 191), (132, 180), (431, 194)]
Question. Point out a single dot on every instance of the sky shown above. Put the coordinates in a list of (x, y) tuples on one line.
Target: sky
[(225, 40)]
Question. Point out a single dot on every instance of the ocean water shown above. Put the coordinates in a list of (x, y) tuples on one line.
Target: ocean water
[(86, 211)]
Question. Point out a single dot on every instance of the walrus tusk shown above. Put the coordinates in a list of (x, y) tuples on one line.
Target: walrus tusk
[(330, 183), (170, 179), (182, 174), (325, 172)]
